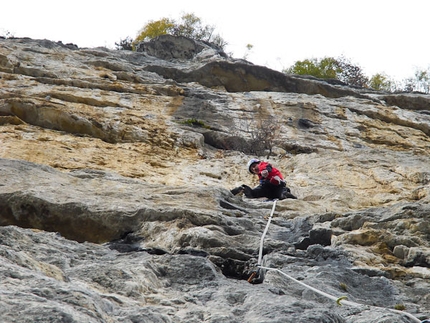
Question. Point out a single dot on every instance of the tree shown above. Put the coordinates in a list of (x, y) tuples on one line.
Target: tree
[(124, 44), (266, 134), (189, 26), (6, 34), (350, 74), (380, 82), (330, 68), (324, 68), (153, 29), (262, 133), (217, 40), (422, 81), (249, 47)]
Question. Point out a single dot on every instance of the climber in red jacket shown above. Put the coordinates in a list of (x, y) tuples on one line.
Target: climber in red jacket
[(272, 184)]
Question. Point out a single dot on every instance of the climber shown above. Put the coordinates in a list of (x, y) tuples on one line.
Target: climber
[(272, 184)]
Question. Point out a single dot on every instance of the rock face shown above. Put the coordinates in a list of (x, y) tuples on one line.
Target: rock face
[(115, 177)]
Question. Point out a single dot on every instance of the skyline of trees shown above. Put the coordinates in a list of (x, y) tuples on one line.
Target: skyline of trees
[(344, 70)]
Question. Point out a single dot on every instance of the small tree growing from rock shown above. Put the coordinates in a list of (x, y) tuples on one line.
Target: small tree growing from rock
[(264, 134), (124, 44), (6, 34)]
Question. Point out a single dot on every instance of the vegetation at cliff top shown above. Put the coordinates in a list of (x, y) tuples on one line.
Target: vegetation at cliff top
[(344, 70), (341, 68), (189, 26)]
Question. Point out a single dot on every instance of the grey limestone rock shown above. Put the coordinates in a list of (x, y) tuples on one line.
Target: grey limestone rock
[(115, 205)]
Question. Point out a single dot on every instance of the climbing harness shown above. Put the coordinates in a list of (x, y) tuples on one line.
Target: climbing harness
[(257, 276)]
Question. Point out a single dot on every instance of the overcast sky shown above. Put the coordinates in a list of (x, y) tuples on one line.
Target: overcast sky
[(381, 36)]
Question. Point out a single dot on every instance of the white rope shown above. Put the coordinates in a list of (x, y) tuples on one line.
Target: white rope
[(339, 300), (336, 299), (260, 254)]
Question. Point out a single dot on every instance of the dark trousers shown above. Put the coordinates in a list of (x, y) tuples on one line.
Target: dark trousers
[(265, 190)]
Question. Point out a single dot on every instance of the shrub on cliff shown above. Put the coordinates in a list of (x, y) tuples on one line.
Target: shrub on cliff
[(153, 29), (189, 26), (330, 68), (325, 68), (381, 82), (124, 44)]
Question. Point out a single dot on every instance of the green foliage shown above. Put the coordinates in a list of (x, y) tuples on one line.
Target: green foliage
[(189, 26), (400, 307), (325, 68), (330, 68), (380, 82), (195, 123), (155, 28), (351, 74)]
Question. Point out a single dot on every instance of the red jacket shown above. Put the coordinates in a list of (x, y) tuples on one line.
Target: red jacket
[(274, 176)]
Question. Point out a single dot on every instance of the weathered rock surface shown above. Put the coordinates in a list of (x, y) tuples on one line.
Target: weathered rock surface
[(115, 171)]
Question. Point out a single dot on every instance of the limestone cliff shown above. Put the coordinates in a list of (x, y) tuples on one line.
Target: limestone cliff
[(115, 174)]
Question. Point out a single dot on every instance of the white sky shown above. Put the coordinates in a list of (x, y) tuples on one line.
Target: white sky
[(381, 36)]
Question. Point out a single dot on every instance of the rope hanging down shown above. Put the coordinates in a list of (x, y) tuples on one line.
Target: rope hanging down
[(260, 254), (257, 275)]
